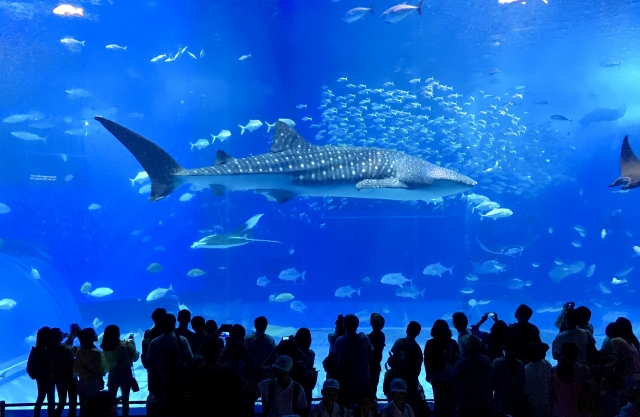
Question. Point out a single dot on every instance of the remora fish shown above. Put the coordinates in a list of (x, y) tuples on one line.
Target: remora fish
[(629, 168), (296, 167), (603, 114)]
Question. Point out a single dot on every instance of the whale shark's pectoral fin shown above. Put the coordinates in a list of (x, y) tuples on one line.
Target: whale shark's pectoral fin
[(281, 196), (218, 190), (629, 168), (385, 183)]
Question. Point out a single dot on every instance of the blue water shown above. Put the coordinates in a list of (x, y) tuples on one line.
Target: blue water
[(554, 179)]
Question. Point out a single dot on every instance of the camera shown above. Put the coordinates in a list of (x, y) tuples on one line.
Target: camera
[(288, 338)]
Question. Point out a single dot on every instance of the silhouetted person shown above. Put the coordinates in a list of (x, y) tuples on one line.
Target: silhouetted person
[(61, 359), (38, 368), (397, 406), (218, 388), (378, 341), (441, 353), (406, 364), (460, 323), (198, 326), (184, 318), (495, 338), (625, 361), (235, 353), (259, 346), (330, 363), (352, 351), (580, 337), (119, 356), (328, 405), (472, 381), (282, 396), (168, 357), (149, 335), (508, 382), (307, 375), (626, 330), (523, 332), (569, 380), (90, 367), (538, 373)]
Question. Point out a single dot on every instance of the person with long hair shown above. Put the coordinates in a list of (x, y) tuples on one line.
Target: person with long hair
[(119, 356), (441, 353), (89, 366), (61, 360), (38, 368)]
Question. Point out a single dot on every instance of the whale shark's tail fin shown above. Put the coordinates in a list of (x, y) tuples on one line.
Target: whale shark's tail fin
[(629, 168), (160, 166)]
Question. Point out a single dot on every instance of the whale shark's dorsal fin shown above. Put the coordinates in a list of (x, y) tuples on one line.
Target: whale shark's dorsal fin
[(629, 168), (222, 158), (287, 139)]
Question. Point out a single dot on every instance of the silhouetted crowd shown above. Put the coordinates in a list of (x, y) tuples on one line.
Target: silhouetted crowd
[(221, 371)]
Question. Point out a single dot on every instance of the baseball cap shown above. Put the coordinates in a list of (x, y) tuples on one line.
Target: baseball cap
[(398, 385), (331, 383), (284, 363)]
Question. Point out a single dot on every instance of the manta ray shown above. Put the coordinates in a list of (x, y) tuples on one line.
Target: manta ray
[(240, 236), (295, 167), (511, 250), (629, 168)]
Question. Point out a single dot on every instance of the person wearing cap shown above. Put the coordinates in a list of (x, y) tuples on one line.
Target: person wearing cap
[(328, 406), (396, 406), (282, 396)]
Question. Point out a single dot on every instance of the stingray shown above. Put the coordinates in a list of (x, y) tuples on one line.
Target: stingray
[(629, 168), (510, 250), (240, 236), (603, 114)]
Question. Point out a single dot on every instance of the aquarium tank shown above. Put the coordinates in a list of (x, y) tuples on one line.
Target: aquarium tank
[(305, 159)]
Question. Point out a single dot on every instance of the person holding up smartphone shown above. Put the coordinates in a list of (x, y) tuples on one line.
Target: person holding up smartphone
[(494, 339), (119, 356)]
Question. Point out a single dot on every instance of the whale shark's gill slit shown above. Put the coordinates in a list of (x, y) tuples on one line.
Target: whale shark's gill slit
[(160, 166)]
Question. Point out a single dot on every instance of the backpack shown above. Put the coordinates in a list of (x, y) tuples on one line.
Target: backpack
[(266, 405), (38, 364)]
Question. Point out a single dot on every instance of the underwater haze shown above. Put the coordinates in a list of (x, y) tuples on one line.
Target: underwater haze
[(528, 100)]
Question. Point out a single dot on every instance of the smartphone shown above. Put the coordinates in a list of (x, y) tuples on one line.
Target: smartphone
[(75, 327), (225, 335), (286, 338), (226, 328), (492, 314)]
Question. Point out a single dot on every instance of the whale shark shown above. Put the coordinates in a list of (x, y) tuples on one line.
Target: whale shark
[(603, 114), (629, 168), (295, 167)]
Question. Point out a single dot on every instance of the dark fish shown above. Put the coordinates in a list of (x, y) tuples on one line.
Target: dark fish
[(542, 102), (629, 168), (560, 117), (602, 114), (609, 64)]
